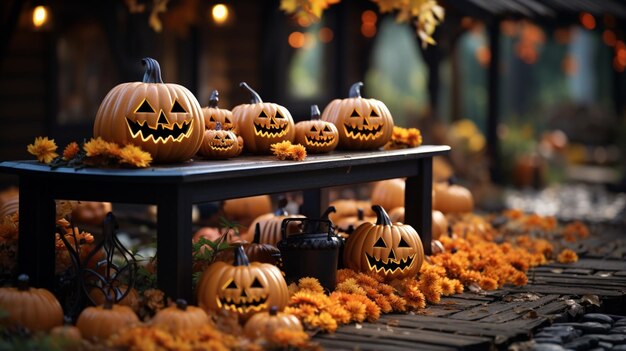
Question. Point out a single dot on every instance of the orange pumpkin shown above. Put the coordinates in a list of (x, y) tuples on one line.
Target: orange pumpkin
[(262, 124), (116, 294), (362, 123), (213, 115), (316, 135), (246, 209), (91, 212), (163, 119), (219, 144), (439, 221), (394, 251), (256, 251), (242, 287), (389, 193), (349, 224), (264, 324), (31, 308), (349, 208), (270, 224), (452, 198), (179, 317), (100, 322)]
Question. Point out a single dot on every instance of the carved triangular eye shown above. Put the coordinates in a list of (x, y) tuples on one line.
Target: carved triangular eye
[(355, 114), (380, 242), (256, 283), (227, 137), (262, 114), (327, 129), (217, 137), (314, 129), (374, 113), (232, 285), (403, 243), (278, 115), (227, 120), (177, 108), (212, 119), (145, 107)]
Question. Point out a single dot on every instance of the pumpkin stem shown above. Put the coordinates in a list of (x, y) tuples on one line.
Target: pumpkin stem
[(382, 218), (241, 259), (254, 96), (23, 282), (273, 310), (315, 113), (257, 234), (181, 304), (153, 71), (214, 99), (329, 210), (218, 125), (355, 90)]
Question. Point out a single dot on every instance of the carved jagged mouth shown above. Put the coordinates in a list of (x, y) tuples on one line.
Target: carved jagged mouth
[(364, 133), (221, 147), (243, 304), (391, 266), (320, 140), (162, 133), (272, 131)]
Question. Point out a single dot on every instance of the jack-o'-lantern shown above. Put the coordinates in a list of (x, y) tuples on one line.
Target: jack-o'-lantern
[(393, 250), (213, 114), (262, 124), (219, 144), (316, 135), (163, 119), (242, 287), (362, 123), (270, 225)]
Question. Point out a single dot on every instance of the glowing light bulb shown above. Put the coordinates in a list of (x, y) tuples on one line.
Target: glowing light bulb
[(220, 13), (40, 16)]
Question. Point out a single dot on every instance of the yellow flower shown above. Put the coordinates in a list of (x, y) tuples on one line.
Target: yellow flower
[(96, 147), (70, 151), (134, 156), (310, 284), (281, 150), (44, 149)]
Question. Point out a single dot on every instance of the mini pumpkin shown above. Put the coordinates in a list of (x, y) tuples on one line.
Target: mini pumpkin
[(219, 144), (100, 322), (32, 308), (394, 251), (242, 287), (213, 115), (362, 123), (179, 317), (262, 124), (163, 119), (316, 135), (270, 224), (349, 224), (264, 324), (66, 336)]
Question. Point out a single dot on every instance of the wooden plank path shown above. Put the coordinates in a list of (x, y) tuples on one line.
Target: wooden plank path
[(494, 319)]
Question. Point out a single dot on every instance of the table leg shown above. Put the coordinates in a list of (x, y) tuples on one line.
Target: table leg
[(36, 249), (174, 260), (418, 202)]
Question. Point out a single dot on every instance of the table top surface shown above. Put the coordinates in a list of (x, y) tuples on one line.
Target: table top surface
[(247, 164)]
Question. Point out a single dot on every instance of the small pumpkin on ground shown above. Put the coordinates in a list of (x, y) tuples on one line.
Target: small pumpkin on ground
[(242, 287), (394, 251), (116, 294), (32, 308), (452, 198), (439, 221), (66, 336), (389, 193), (264, 324), (316, 135), (262, 124), (362, 123), (163, 119), (179, 317), (100, 322)]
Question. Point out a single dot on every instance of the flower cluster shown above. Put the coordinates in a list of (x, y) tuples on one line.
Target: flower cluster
[(285, 150), (96, 152), (402, 138), (567, 256)]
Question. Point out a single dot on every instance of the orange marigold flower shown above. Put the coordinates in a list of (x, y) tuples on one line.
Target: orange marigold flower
[(414, 137), (350, 286), (324, 321), (487, 283), (284, 337), (281, 149), (356, 309), (135, 156), (297, 152), (96, 147), (447, 286), (345, 273), (307, 298), (113, 150), (383, 303), (310, 284), (70, 151), (43, 149), (567, 256), (339, 313), (519, 279)]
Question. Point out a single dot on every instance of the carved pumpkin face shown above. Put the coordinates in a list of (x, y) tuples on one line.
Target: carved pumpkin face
[(262, 124), (219, 144), (316, 135), (213, 115), (362, 123), (242, 287), (391, 250), (163, 119)]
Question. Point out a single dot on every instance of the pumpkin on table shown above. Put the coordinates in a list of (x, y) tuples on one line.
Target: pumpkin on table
[(163, 119), (32, 308), (219, 144), (394, 251), (264, 324), (213, 115), (362, 123), (316, 135), (262, 124), (179, 317), (242, 287), (99, 322)]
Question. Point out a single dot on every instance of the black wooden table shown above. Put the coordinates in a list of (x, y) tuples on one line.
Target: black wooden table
[(175, 188)]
